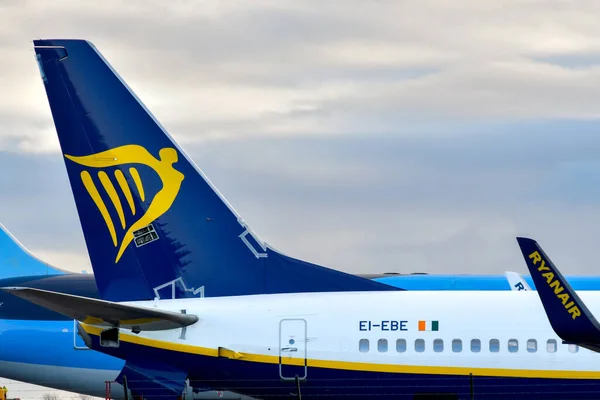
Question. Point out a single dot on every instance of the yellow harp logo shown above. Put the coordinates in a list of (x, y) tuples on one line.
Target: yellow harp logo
[(131, 154)]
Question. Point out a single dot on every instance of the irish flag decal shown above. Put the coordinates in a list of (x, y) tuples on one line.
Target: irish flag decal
[(429, 326)]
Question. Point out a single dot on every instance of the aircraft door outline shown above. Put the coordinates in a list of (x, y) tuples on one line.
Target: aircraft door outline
[(75, 335), (293, 349)]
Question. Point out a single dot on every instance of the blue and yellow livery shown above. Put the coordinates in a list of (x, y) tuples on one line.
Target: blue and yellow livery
[(570, 318), (131, 181), (143, 204)]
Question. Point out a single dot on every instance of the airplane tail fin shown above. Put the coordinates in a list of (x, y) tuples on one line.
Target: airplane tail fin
[(568, 315), (16, 260), (154, 225), (516, 281)]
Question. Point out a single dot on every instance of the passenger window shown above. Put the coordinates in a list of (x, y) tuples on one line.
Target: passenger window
[(475, 345), (419, 345), (573, 348), (382, 345), (363, 345), (494, 345), (532, 345), (457, 345), (551, 346), (401, 345), (513, 345), (438, 345)]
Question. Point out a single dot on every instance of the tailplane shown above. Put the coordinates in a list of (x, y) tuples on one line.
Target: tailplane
[(154, 225)]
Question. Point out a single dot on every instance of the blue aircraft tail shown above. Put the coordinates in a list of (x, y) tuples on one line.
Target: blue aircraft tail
[(154, 225), (568, 315), (16, 260)]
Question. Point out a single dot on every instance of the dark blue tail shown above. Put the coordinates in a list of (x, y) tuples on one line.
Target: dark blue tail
[(154, 225), (568, 315)]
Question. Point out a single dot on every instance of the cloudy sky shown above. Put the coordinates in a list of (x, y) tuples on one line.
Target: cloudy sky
[(367, 136)]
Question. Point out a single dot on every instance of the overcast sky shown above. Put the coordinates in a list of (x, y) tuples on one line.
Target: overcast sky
[(366, 136)]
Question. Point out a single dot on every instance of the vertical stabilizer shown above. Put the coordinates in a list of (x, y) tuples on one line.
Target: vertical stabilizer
[(154, 225)]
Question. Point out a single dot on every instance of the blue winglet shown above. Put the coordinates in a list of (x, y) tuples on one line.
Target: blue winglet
[(568, 315), (154, 225)]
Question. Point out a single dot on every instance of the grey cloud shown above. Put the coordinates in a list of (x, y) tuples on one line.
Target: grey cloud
[(401, 135), (357, 204), (455, 211), (228, 70), (36, 204), (504, 169)]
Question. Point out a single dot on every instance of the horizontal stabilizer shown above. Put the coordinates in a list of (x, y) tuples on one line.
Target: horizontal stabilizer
[(516, 281), (104, 313), (568, 315)]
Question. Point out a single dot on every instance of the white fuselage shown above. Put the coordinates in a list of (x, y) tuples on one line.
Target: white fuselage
[(337, 322)]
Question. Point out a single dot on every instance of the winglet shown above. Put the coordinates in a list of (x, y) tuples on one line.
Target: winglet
[(516, 281), (568, 315)]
